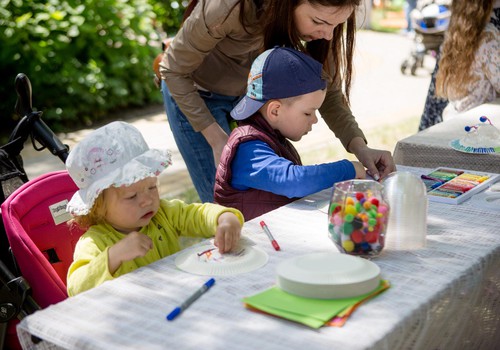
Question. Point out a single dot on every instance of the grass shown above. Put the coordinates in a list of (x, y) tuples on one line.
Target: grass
[(189, 196)]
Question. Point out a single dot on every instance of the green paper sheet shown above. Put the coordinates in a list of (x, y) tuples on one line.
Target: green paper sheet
[(310, 312)]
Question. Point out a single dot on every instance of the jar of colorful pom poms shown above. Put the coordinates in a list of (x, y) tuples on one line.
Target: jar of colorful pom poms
[(357, 217)]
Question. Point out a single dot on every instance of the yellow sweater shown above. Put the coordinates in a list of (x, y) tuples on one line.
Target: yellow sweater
[(174, 219)]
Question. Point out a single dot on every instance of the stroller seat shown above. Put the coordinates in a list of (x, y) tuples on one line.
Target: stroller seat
[(42, 243)]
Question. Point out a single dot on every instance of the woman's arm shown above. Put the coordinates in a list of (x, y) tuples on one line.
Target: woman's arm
[(207, 37), (338, 117)]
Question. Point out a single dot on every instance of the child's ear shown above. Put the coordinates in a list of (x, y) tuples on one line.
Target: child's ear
[(273, 109)]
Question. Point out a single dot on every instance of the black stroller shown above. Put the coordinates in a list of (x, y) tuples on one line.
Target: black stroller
[(430, 20)]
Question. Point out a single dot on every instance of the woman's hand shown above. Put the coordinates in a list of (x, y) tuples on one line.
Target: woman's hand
[(217, 139), (228, 232), (379, 163), (134, 245)]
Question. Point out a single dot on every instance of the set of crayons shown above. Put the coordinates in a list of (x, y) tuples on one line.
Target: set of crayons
[(452, 183)]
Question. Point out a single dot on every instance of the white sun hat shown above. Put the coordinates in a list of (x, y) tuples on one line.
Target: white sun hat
[(113, 155)]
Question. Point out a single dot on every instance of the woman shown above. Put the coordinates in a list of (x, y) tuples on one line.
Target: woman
[(205, 70), (469, 67)]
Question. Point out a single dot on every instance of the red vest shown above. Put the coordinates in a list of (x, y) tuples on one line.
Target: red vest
[(251, 202)]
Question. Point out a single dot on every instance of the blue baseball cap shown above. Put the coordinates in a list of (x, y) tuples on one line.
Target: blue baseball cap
[(279, 73)]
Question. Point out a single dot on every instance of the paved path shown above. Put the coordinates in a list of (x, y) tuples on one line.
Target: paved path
[(380, 96)]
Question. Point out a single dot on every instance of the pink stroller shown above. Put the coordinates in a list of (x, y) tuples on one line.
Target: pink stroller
[(40, 240), (35, 233)]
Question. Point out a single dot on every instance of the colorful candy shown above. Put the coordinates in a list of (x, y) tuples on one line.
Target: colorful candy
[(358, 221)]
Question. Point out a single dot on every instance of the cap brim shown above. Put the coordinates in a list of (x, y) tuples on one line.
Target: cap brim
[(246, 108)]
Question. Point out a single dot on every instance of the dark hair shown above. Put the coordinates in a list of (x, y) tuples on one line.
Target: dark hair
[(280, 30)]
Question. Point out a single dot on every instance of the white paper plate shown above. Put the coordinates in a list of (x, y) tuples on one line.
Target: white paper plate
[(206, 260), (456, 145), (328, 276)]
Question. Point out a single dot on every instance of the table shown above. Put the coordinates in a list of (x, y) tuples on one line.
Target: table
[(444, 296), (431, 147)]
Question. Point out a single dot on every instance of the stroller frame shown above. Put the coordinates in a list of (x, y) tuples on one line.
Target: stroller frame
[(430, 28), (15, 291)]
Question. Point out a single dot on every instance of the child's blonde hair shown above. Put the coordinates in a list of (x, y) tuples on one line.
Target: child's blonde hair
[(96, 215)]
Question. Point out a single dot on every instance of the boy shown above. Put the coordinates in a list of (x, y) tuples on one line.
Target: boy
[(260, 170)]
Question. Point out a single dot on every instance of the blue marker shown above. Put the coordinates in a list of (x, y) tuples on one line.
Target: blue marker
[(175, 312)]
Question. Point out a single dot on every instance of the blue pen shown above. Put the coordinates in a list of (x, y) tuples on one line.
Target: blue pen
[(175, 312)]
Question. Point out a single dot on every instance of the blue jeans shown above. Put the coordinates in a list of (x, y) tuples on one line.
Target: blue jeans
[(193, 146), (409, 6)]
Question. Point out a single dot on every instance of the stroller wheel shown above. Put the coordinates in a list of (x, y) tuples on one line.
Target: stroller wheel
[(413, 69), (404, 66)]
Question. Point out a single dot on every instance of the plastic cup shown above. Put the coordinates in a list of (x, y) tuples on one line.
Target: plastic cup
[(407, 196)]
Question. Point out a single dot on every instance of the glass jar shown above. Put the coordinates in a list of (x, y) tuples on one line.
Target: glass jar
[(357, 217)]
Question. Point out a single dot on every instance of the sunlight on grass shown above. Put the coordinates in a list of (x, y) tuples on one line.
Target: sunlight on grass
[(383, 137), (188, 196)]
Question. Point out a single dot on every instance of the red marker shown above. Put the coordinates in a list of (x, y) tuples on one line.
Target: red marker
[(271, 238)]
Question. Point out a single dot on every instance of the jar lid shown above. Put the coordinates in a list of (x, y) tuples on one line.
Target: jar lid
[(328, 276)]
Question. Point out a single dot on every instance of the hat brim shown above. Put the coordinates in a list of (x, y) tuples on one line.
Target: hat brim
[(150, 163), (246, 108)]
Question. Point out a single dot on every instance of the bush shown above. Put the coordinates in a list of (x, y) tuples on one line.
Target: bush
[(84, 58)]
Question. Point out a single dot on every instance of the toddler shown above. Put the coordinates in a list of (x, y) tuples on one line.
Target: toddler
[(118, 203)]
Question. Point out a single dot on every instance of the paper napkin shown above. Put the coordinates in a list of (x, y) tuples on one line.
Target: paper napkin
[(310, 312)]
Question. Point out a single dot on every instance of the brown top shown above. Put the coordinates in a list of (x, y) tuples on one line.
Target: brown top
[(212, 51)]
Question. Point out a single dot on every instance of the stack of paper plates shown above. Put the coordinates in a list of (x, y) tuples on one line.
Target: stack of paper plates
[(328, 276)]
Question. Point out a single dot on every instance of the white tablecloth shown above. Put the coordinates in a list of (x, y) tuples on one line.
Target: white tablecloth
[(431, 147), (445, 296)]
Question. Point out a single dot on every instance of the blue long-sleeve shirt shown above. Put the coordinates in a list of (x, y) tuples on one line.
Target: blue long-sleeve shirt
[(256, 165)]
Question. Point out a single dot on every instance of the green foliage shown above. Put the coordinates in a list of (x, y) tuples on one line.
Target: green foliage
[(85, 58), (169, 15)]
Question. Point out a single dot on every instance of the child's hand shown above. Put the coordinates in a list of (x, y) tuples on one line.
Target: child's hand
[(228, 232), (360, 170), (134, 245)]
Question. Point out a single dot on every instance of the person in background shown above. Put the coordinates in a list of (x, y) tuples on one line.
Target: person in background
[(469, 66), (409, 6), (260, 170), (434, 105), (206, 65), (128, 225), (470, 55)]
